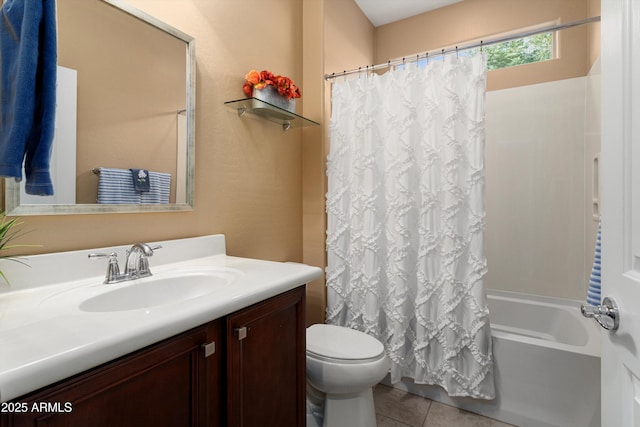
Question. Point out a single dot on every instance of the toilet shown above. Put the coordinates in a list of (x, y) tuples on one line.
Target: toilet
[(343, 365)]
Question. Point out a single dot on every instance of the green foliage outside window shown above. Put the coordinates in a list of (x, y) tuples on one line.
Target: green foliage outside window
[(520, 51), (525, 50)]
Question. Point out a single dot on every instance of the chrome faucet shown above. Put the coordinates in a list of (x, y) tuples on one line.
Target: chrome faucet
[(137, 264)]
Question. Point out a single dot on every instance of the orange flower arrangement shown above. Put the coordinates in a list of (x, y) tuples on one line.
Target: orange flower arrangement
[(261, 79)]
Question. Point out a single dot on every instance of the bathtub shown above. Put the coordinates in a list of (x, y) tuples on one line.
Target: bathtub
[(547, 364)]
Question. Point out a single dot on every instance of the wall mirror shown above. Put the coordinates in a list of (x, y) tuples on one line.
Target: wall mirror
[(125, 99)]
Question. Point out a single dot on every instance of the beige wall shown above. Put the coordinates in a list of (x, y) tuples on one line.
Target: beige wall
[(473, 20), (337, 35), (248, 172), (593, 9), (313, 218)]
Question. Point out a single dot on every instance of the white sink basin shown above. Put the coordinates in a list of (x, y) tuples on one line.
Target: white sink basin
[(156, 291)]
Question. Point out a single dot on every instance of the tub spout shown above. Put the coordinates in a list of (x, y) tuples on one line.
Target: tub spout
[(607, 314), (593, 310)]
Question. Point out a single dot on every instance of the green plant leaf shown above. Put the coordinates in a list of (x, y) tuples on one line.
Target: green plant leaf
[(4, 278), (8, 233)]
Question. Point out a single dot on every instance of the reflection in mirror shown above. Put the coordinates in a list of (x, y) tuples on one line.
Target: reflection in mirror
[(126, 100)]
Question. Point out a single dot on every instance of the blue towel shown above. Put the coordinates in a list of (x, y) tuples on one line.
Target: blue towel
[(593, 294), (160, 186), (115, 186), (28, 59), (140, 180)]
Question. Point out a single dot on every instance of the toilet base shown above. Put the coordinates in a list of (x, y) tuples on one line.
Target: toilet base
[(353, 410), (315, 407)]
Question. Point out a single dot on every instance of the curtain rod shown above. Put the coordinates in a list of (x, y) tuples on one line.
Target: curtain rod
[(481, 43)]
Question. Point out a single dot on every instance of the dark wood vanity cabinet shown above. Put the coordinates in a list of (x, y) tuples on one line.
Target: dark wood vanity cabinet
[(162, 385), (186, 381), (266, 370)]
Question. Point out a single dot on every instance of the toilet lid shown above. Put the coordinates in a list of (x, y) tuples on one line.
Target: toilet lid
[(338, 342)]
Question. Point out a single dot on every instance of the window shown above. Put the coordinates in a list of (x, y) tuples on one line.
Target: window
[(520, 51)]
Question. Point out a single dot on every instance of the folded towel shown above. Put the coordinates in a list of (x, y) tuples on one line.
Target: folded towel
[(28, 57), (140, 180), (115, 186), (593, 294), (159, 188)]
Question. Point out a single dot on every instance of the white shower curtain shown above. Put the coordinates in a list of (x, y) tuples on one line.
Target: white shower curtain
[(406, 217)]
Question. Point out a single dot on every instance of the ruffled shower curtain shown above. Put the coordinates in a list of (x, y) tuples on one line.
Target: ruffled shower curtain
[(406, 217)]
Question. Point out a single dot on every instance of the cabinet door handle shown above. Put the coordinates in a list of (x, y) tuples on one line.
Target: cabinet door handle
[(209, 349), (241, 333)]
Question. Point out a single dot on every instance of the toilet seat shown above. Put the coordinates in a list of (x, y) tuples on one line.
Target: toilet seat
[(340, 344), (323, 358)]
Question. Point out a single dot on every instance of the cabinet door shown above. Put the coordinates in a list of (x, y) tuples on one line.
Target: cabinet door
[(266, 378), (162, 385)]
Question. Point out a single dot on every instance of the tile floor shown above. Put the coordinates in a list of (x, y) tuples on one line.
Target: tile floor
[(396, 408)]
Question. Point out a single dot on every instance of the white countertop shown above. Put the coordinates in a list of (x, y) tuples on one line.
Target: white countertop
[(45, 337)]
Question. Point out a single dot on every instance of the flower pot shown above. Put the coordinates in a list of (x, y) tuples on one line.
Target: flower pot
[(270, 95)]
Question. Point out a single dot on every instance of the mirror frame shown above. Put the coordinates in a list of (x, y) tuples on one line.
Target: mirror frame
[(12, 188)]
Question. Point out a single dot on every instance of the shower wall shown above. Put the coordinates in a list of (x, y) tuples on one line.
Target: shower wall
[(539, 151)]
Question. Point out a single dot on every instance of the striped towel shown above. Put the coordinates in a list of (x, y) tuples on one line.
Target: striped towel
[(115, 186), (593, 294)]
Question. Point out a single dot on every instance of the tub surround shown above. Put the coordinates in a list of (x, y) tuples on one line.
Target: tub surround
[(47, 337)]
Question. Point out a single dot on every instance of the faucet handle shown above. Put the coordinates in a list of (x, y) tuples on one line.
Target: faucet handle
[(113, 257), (113, 269)]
